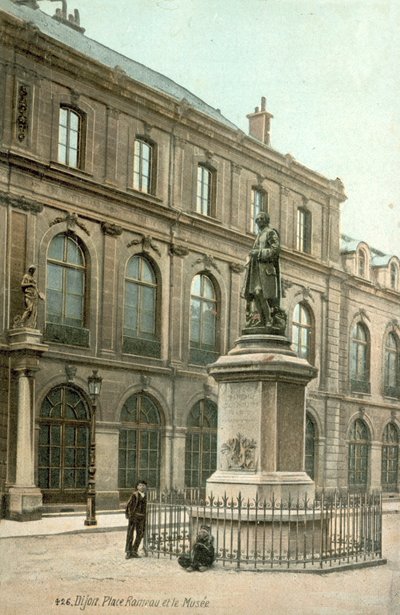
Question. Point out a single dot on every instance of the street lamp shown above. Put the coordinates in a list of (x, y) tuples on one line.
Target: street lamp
[(94, 385)]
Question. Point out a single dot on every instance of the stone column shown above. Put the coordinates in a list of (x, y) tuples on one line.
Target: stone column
[(107, 494), (375, 465), (24, 499)]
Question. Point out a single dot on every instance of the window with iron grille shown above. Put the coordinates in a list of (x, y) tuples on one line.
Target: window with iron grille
[(302, 331), (359, 359), (203, 319), (358, 455), (205, 190), (390, 458), (392, 366), (66, 273), (303, 236), (141, 328), (310, 447), (201, 444), (70, 137), (139, 442), (64, 426), (143, 164)]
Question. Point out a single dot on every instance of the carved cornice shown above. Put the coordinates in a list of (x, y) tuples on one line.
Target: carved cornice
[(208, 261), (305, 292), (147, 244), (178, 250), (109, 228), (71, 221), (21, 202), (236, 267)]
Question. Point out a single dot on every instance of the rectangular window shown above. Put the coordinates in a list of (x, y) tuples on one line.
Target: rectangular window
[(303, 237), (258, 203), (142, 166), (204, 191), (69, 137)]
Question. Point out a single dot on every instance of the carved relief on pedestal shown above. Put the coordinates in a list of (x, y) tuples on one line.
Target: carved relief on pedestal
[(239, 453)]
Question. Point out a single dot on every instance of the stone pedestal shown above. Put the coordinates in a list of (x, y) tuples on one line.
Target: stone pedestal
[(261, 420), (24, 499)]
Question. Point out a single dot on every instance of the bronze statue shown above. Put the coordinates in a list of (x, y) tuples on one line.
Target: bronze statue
[(262, 288), (31, 299)]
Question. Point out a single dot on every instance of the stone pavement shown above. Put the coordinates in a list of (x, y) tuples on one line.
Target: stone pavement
[(58, 566)]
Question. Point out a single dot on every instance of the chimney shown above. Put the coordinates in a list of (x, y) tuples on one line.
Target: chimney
[(259, 123)]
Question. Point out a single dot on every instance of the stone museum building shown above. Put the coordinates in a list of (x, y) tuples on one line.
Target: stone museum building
[(135, 201)]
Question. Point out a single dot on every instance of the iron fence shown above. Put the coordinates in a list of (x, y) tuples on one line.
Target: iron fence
[(331, 531)]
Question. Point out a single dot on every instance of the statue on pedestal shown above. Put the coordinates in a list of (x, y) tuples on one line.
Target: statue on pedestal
[(262, 287), (31, 300)]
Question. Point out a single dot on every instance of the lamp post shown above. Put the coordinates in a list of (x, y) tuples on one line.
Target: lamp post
[(94, 385)]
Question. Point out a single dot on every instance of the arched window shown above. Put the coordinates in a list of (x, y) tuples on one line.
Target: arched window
[(143, 166), (394, 276), (63, 445), (205, 190), (203, 320), (303, 236), (390, 458), (310, 447), (65, 292), (140, 313), (139, 442), (201, 444), (359, 359), (358, 455), (362, 264), (69, 137), (258, 203), (302, 331), (392, 366)]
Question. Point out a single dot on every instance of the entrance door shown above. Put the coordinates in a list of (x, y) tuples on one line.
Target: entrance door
[(64, 445)]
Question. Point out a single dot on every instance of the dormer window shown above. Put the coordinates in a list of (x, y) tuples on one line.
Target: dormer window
[(394, 276), (362, 264)]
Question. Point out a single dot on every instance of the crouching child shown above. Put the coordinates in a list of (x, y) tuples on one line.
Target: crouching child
[(202, 554)]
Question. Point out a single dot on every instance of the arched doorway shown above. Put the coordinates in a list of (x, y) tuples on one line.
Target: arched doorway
[(359, 443), (64, 426)]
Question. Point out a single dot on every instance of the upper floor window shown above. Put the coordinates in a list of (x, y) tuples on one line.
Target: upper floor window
[(140, 313), (258, 203), (205, 190), (69, 137), (362, 264), (394, 276), (302, 331), (359, 359), (303, 237), (203, 319), (392, 366), (143, 166), (66, 271)]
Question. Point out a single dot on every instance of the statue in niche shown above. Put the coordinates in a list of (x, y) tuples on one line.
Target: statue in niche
[(31, 300), (262, 287)]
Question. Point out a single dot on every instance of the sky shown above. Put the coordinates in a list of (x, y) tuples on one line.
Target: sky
[(328, 69)]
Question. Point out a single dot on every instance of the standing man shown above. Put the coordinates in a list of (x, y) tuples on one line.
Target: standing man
[(136, 513), (262, 285)]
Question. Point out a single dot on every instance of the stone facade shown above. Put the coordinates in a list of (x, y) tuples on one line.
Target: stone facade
[(48, 66)]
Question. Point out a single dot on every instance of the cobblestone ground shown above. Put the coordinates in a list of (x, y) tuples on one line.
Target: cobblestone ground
[(87, 573)]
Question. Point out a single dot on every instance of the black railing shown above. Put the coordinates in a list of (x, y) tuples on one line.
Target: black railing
[(329, 532)]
